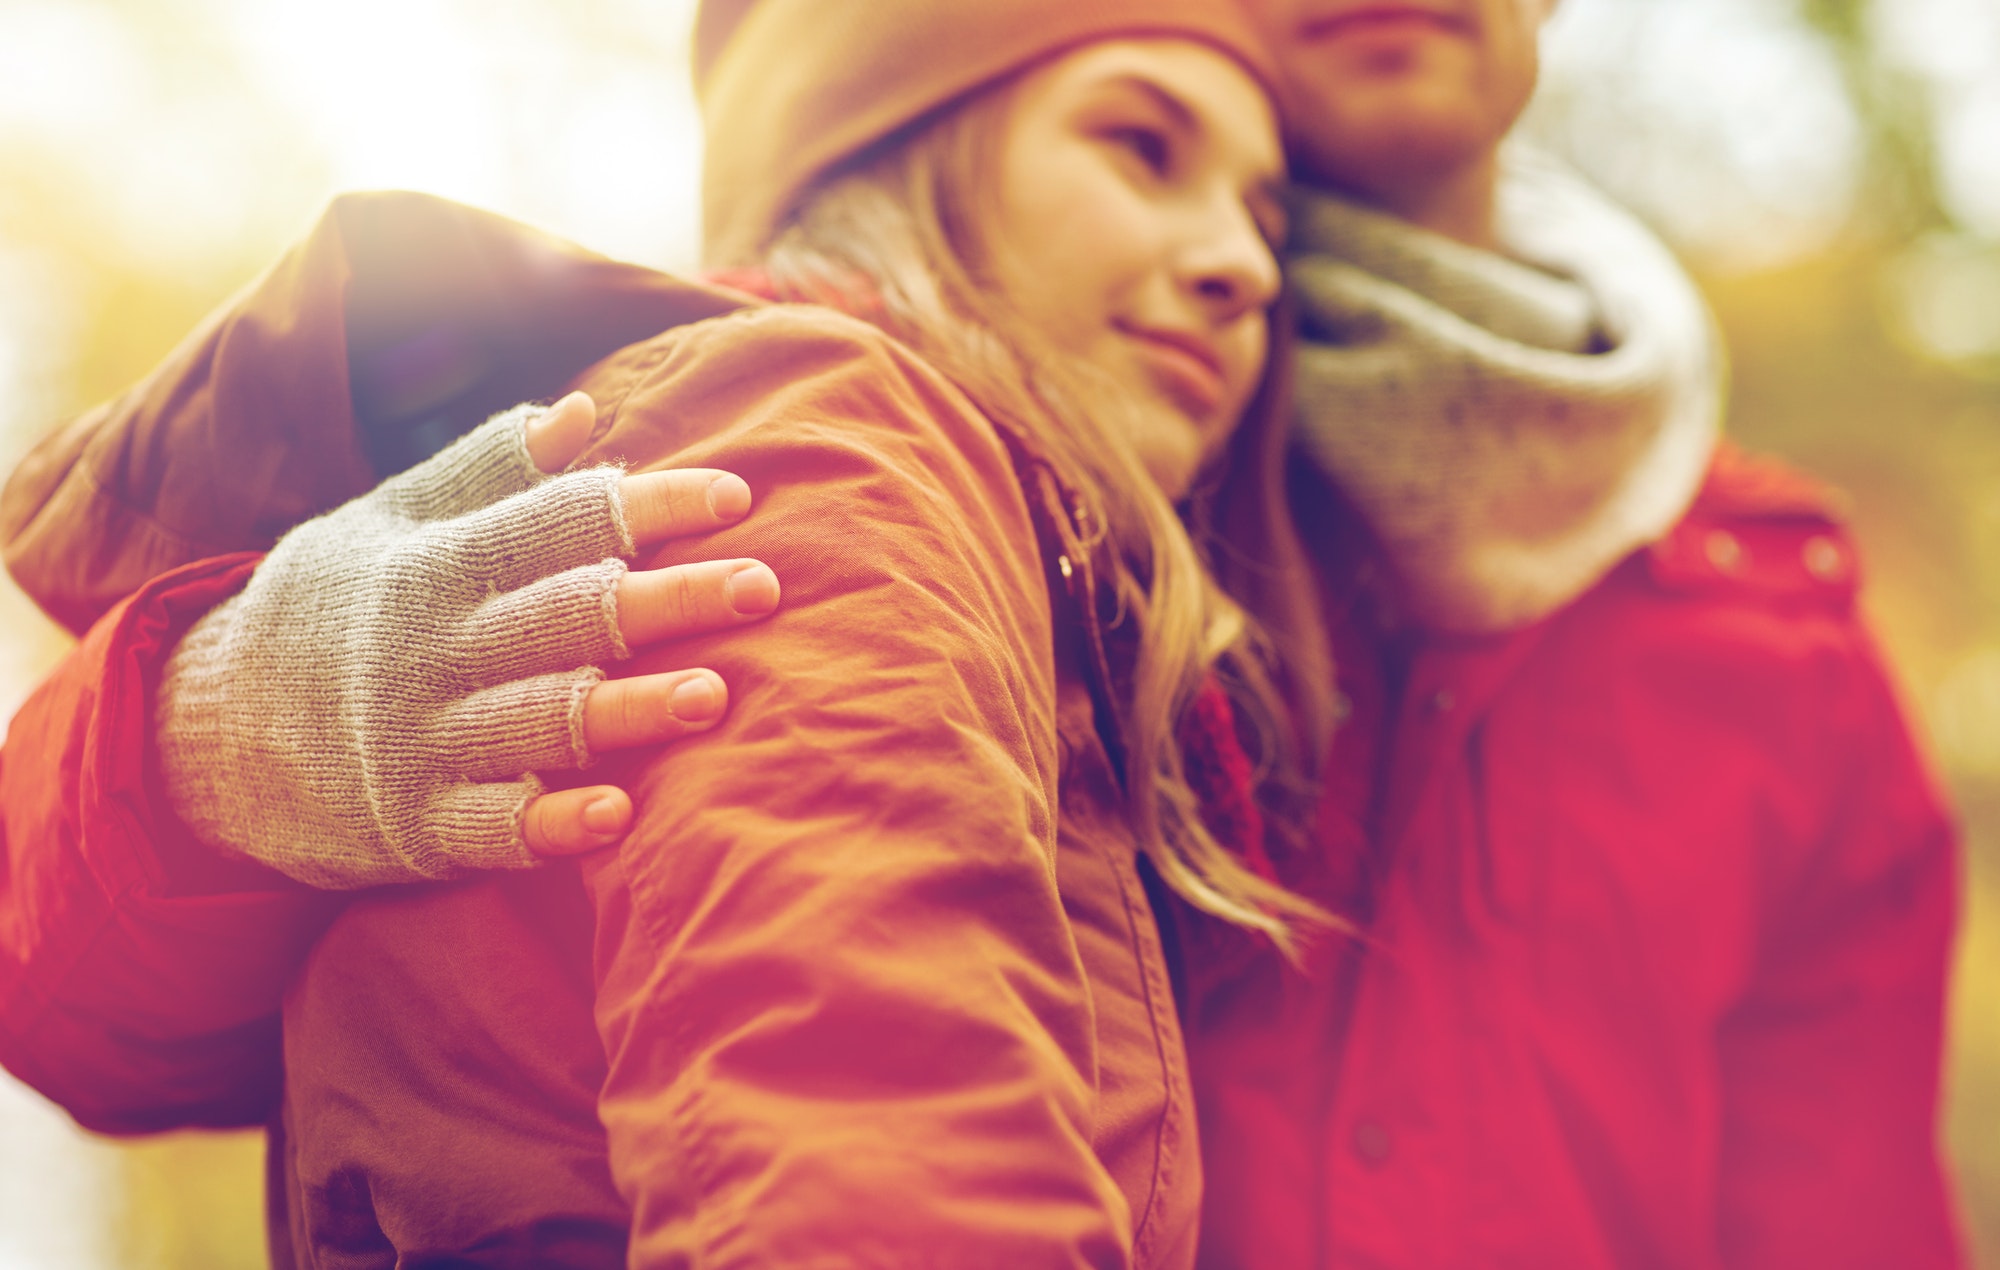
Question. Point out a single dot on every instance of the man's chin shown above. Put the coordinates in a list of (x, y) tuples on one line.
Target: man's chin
[(1393, 142)]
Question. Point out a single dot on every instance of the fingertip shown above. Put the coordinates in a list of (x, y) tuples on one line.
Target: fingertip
[(699, 699), (753, 590), (608, 815), (556, 437), (729, 497)]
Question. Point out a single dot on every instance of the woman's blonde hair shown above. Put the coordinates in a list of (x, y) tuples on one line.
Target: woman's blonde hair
[(907, 219)]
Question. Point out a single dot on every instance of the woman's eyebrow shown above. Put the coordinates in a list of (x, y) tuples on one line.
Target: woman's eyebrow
[(1175, 109)]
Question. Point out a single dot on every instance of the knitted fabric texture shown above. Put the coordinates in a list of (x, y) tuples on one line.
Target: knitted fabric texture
[(1510, 426), (372, 708), (791, 90)]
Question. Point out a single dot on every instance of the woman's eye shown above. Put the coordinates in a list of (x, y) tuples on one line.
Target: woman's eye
[(1149, 145)]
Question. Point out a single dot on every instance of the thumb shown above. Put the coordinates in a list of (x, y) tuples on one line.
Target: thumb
[(555, 439)]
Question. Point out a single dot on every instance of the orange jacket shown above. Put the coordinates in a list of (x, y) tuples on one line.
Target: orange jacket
[(856, 990)]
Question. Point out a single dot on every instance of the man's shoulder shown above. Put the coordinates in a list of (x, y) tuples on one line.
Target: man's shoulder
[(1746, 611), (1752, 485), (1760, 531)]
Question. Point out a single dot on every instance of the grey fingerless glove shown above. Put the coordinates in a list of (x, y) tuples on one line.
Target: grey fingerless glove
[(373, 707)]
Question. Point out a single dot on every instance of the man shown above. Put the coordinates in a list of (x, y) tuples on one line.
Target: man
[(1655, 894)]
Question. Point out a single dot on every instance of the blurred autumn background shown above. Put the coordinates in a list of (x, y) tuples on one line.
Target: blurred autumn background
[(1831, 169)]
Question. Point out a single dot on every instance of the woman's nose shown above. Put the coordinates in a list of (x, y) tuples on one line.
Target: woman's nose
[(1230, 268)]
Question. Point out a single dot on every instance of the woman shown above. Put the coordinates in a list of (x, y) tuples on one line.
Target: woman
[(879, 980)]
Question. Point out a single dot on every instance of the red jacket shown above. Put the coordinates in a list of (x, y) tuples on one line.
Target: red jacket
[(1658, 897)]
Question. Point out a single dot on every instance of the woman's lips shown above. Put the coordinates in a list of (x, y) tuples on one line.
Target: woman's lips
[(1184, 366)]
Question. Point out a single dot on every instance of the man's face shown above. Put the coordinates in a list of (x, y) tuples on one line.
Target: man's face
[(1389, 96)]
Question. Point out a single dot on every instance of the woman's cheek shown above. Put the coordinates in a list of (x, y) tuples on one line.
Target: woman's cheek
[(1118, 227), (1065, 224), (1247, 349)]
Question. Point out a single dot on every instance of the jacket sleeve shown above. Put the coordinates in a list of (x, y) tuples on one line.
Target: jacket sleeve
[(140, 973), (399, 323), (1830, 1066), (845, 1017), (137, 988)]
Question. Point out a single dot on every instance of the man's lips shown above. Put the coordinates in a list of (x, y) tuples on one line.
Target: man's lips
[(1333, 21), (1186, 365)]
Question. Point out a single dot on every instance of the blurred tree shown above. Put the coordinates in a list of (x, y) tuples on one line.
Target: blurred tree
[(1900, 199)]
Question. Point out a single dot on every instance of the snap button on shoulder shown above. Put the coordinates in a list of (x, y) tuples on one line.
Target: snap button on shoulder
[(1724, 550), (1824, 559), (1371, 1143)]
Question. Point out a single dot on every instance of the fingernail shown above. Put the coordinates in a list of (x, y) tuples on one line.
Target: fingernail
[(695, 700), (752, 590), (604, 818), (728, 497)]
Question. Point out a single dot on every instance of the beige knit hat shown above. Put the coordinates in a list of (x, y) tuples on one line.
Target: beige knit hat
[(790, 89)]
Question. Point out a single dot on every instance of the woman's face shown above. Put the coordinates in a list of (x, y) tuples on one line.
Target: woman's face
[(1134, 221)]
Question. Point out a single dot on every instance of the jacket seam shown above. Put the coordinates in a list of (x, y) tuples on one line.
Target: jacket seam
[(1174, 1111)]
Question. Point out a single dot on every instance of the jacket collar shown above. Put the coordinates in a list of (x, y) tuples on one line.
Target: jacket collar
[(1510, 427)]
